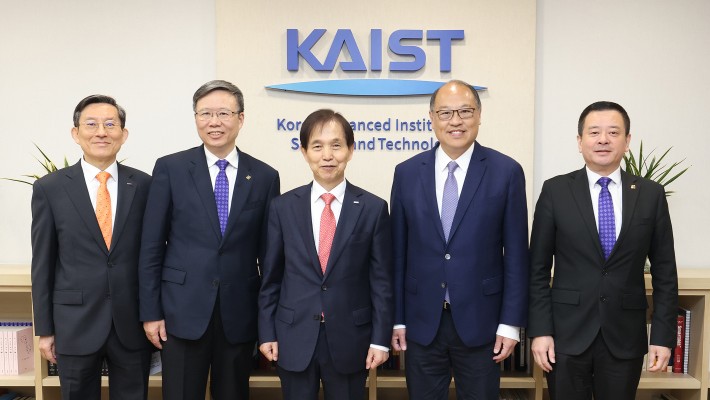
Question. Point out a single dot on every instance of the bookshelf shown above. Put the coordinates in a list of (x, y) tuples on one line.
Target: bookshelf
[(694, 294)]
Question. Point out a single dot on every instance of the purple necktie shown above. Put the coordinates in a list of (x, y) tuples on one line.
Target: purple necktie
[(221, 194), (449, 201), (607, 226)]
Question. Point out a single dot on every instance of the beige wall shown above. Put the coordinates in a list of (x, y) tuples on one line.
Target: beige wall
[(498, 52)]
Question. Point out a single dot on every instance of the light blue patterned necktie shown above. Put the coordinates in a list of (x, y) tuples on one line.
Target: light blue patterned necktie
[(221, 194), (607, 225), (449, 201)]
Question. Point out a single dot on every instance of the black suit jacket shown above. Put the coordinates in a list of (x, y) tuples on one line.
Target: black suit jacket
[(590, 293), (79, 287), (355, 294), (185, 260)]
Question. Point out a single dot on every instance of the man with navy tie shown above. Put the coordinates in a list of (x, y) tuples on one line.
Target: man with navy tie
[(598, 225), (459, 228), (203, 239), (325, 307)]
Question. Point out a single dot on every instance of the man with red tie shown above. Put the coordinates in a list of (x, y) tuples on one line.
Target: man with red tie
[(325, 306)]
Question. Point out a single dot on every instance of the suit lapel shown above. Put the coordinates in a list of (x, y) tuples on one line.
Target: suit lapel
[(240, 192), (427, 174), (474, 176), (580, 191), (79, 194), (629, 194), (203, 186), (126, 191), (301, 211), (349, 215)]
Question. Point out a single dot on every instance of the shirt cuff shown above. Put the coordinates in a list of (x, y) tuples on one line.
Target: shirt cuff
[(378, 347), (399, 326), (510, 332)]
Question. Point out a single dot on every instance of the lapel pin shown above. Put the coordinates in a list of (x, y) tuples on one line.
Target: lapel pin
[(248, 177), (129, 183), (633, 187), (356, 202)]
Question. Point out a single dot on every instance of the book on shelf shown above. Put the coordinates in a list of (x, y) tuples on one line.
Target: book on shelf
[(678, 350), (16, 349), (686, 339), (156, 363)]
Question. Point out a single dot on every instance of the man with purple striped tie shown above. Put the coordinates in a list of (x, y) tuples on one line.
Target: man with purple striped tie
[(599, 224), (203, 239)]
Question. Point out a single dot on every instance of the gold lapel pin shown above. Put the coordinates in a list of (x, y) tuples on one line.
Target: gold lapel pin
[(633, 187), (248, 177)]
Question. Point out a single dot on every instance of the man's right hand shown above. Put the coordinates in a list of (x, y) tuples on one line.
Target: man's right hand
[(270, 350), (46, 348), (543, 349), (399, 340), (155, 331)]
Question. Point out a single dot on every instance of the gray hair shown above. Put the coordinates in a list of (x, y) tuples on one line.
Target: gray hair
[(211, 86)]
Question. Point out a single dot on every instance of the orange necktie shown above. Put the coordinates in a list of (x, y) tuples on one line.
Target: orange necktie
[(103, 207)]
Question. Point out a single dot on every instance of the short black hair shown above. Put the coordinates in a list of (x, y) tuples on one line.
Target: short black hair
[(99, 99), (604, 106), (319, 118)]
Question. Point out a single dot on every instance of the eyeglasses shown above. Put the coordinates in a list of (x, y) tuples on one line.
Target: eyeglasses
[(464, 113), (93, 126), (222, 115)]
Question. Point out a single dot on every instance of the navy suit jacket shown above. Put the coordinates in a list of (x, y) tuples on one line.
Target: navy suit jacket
[(355, 294), (185, 260), (485, 262), (79, 287), (590, 293)]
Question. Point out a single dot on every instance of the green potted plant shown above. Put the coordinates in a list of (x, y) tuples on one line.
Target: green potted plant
[(46, 163)]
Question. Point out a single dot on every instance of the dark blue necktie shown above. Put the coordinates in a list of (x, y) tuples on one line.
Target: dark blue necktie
[(221, 194), (607, 226)]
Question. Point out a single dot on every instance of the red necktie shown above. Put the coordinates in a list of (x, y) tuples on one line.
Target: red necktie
[(327, 231), (103, 207)]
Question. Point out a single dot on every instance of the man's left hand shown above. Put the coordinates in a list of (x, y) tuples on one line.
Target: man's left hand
[(375, 358), (658, 357), (503, 348)]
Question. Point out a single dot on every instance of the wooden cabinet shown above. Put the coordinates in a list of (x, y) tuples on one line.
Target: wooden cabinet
[(694, 292)]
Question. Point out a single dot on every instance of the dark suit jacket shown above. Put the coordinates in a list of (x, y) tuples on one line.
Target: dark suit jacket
[(590, 293), (185, 261), (79, 287), (484, 264), (355, 294)]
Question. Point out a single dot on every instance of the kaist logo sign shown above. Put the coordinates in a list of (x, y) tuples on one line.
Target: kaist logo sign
[(344, 39)]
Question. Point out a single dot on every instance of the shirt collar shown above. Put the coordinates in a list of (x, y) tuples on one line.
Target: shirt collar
[(91, 171), (339, 191), (593, 177), (232, 157), (442, 159)]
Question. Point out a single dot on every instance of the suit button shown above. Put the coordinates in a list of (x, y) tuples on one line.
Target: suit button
[(215, 283), (603, 299), (324, 288), (110, 264), (605, 273), (443, 285), (447, 256)]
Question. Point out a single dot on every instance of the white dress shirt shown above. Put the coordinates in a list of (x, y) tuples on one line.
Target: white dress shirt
[(231, 170), (92, 184), (317, 206), (615, 191)]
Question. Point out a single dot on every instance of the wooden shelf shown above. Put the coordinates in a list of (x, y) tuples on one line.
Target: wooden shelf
[(694, 294)]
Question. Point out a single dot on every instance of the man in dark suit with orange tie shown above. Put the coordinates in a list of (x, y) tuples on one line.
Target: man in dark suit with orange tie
[(203, 238), (598, 225), (460, 233), (325, 307), (86, 231)]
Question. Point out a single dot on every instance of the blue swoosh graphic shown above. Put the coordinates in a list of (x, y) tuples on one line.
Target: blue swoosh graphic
[(365, 87)]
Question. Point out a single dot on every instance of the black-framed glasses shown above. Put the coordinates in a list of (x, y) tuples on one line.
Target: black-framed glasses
[(93, 126), (222, 115), (464, 113)]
